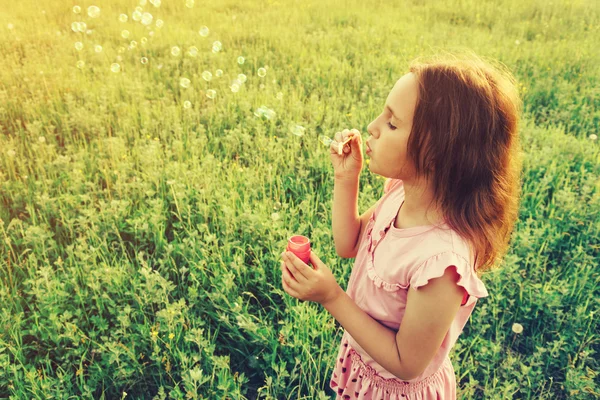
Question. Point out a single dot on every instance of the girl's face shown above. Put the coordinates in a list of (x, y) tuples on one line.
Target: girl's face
[(390, 132)]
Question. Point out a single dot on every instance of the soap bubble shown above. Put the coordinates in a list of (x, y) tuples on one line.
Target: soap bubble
[(193, 51), (89, 32), (144, 60), (115, 67), (159, 23), (240, 60), (146, 18), (175, 51), (184, 82), (217, 46), (76, 9), (235, 86), (260, 111), (189, 3), (210, 93), (133, 44), (155, 3), (203, 31), (98, 48), (262, 72), (325, 140), (264, 111), (78, 46), (279, 95), (136, 15), (75, 26), (123, 17), (93, 11), (207, 76), (270, 114), (125, 34), (297, 130), (121, 49), (219, 72), (242, 78), (187, 104), (143, 2), (80, 64)]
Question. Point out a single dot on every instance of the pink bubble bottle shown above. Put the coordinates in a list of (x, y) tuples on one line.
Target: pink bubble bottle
[(300, 246)]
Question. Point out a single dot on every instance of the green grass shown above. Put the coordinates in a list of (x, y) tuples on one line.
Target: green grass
[(139, 250)]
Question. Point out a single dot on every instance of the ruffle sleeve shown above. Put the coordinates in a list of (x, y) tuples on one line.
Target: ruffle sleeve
[(434, 267)]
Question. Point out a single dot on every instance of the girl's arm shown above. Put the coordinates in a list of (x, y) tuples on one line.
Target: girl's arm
[(428, 316), (345, 220)]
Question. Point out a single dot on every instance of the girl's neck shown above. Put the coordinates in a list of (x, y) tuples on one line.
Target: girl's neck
[(418, 208)]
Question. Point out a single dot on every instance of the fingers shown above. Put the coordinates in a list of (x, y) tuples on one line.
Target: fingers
[(335, 144), (288, 282), (356, 133), (296, 266), (315, 260), (341, 136), (287, 276), (288, 289), (340, 139)]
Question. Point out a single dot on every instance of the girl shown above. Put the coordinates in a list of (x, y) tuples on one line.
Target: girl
[(448, 144)]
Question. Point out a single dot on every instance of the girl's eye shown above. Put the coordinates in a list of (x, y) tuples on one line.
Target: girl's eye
[(392, 127)]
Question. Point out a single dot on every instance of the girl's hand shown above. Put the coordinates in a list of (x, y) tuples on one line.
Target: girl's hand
[(349, 163), (305, 283)]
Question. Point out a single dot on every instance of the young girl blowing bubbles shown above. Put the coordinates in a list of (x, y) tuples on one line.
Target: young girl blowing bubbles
[(447, 142)]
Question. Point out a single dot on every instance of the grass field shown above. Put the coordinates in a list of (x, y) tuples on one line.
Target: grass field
[(142, 221)]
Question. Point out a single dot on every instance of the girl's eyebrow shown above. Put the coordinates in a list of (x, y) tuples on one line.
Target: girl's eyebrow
[(390, 110)]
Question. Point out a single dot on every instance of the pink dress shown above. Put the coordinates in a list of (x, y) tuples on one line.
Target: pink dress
[(379, 285)]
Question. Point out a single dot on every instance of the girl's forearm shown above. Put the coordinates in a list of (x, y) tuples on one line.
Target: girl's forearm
[(376, 339), (345, 221)]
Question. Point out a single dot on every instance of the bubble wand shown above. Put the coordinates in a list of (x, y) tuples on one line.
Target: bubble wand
[(327, 141)]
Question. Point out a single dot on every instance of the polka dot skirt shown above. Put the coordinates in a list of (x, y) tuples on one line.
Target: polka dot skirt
[(352, 379)]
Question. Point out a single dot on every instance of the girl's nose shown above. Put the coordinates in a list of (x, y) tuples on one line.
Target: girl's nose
[(370, 129)]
